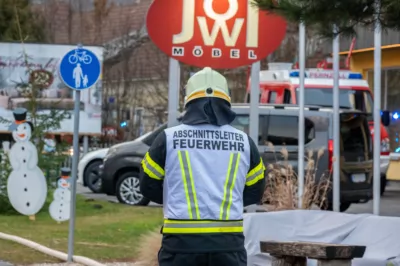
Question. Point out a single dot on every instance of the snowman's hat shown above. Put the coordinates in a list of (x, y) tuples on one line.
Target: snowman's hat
[(20, 118), (65, 172)]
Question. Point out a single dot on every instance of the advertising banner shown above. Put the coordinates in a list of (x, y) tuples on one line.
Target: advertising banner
[(217, 34), (21, 64)]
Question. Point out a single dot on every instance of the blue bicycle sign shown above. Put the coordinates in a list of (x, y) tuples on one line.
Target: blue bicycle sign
[(80, 69), (80, 56)]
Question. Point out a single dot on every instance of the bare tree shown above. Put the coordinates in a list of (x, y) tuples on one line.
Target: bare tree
[(288, 51)]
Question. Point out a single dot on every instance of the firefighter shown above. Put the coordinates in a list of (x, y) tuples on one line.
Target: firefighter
[(204, 172)]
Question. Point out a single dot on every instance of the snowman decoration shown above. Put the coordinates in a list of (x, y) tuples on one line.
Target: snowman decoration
[(26, 185), (60, 207)]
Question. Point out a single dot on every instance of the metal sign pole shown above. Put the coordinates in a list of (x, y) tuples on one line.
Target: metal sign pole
[(302, 66), (254, 101), (336, 126), (79, 69), (377, 113), (74, 175), (173, 91)]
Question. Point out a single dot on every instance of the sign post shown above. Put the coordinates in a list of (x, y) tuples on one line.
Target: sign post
[(302, 66), (216, 34), (254, 101), (80, 69), (173, 92), (377, 111), (336, 125)]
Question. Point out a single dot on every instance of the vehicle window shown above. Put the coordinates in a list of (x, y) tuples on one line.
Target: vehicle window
[(283, 130), (287, 97), (351, 99), (248, 98), (272, 97), (321, 124), (353, 131), (151, 137), (242, 122)]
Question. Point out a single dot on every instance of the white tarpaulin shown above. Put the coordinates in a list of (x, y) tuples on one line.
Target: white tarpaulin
[(381, 235)]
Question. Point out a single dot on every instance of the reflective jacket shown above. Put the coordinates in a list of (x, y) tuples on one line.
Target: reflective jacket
[(201, 173)]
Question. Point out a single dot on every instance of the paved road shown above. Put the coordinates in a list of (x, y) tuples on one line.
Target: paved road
[(390, 202)]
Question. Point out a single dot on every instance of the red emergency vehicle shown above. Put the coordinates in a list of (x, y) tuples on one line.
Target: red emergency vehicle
[(282, 86)]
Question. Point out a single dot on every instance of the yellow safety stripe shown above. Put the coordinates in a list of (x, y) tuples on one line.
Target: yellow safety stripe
[(154, 164), (202, 94), (151, 168), (188, 183), (256, 174), (196, 227), (229, 185)]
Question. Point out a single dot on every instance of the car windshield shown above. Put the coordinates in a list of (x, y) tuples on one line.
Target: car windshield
[(348, 98)]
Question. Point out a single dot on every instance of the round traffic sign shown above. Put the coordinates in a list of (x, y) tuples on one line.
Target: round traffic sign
[(80, 69)]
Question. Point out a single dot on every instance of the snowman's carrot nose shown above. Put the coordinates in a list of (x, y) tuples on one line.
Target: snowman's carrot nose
[(21, 135)]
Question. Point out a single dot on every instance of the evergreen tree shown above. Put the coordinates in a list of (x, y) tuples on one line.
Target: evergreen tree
[(19, 23), (16, 15), (322, 15), (43, 122)]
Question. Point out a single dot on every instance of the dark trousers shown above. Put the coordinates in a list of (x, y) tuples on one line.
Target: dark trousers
[(238, 258)]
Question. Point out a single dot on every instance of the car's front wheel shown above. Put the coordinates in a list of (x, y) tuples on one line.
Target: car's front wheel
[(128, 189), (92, 176)]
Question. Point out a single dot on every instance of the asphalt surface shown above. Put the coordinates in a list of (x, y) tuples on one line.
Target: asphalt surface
[(390, 202)]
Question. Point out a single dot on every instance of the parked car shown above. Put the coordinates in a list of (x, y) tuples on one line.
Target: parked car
[(278, 125), (89, 171), (121, 168)]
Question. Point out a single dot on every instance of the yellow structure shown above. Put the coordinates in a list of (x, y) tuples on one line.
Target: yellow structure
[(362, 60)]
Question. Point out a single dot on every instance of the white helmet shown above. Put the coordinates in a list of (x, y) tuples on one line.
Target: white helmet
[(207, 83)]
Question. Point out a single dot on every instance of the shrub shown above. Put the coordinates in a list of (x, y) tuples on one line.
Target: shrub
[(281, 191)]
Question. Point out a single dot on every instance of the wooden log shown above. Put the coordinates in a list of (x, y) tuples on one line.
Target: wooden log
[(288, 261), (312, 250), (334, 262)]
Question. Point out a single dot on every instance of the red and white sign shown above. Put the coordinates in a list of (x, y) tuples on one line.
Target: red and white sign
[(326, 74), (214, 33)]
